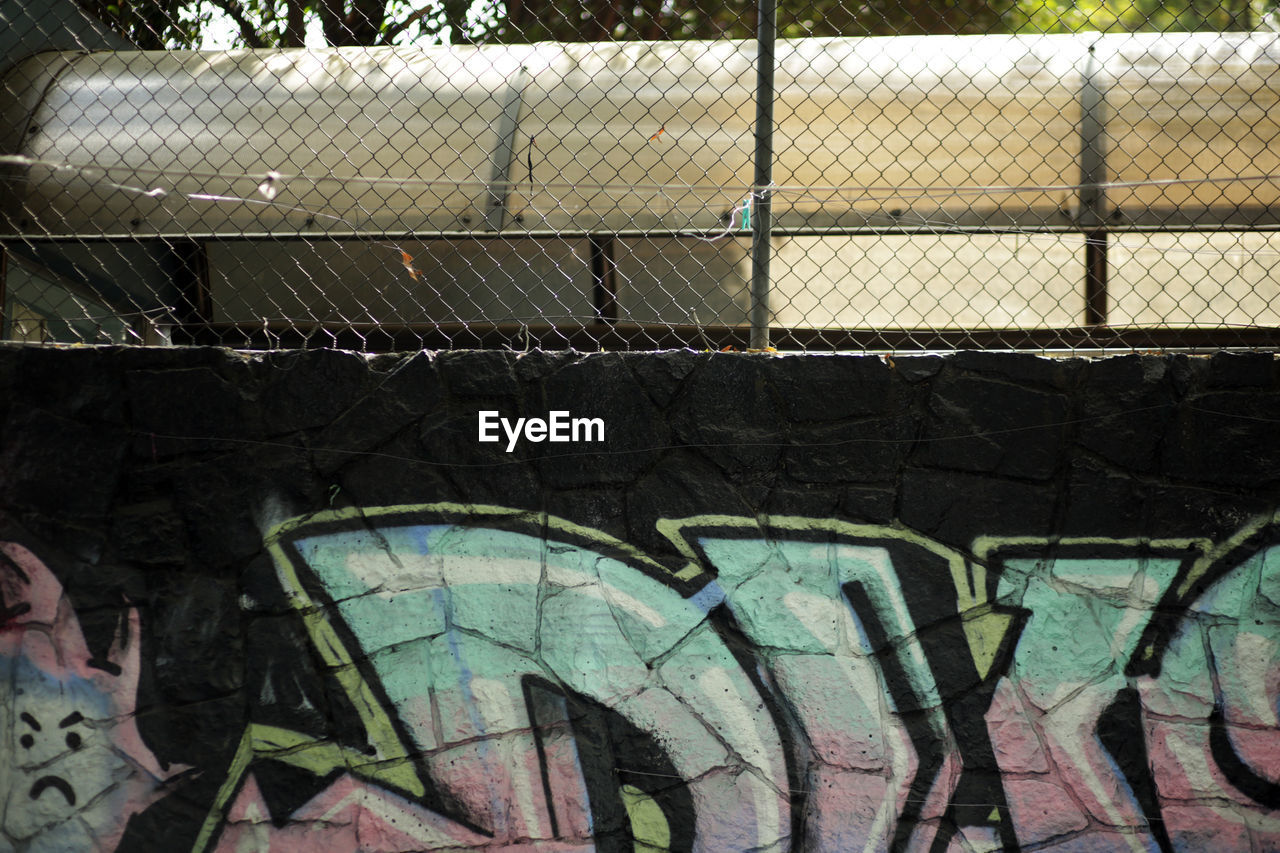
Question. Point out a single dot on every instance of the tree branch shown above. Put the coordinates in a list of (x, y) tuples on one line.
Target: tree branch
[(331, 21), (295, 31), (236, 12), (515, 14), (610, 19), (364, 21), (396, 29)]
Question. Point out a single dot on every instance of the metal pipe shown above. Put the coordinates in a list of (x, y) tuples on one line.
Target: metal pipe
[(761, 201)]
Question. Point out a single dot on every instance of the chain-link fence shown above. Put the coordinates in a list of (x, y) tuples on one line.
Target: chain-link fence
[(598, 174)]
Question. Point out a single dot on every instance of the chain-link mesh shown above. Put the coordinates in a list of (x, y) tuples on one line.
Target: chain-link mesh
[(586, 173)]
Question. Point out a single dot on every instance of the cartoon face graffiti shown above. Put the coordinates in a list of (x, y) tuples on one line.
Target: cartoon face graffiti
[(74, 742), (73, 767), (61, 762)]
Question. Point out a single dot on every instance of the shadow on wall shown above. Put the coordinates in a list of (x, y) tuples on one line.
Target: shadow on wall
[(478, 677)]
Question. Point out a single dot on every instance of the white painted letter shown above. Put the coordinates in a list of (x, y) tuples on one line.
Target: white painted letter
[(512, 434), (559, 424), (592, 429), (487, 426)]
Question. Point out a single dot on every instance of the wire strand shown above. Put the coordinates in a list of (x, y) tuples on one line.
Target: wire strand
[(722, 188), (934, 226)]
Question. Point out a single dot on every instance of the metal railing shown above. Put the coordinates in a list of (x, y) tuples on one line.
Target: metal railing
[(1010, 177)]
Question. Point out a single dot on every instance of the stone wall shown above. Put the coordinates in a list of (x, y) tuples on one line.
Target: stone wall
[(292, 601)]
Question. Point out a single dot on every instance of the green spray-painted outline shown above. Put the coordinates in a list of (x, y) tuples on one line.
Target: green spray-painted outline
[(319, 757), (984, 627), (907, 646), (985, 547), (391, 763), (1217, 552), (377, 722), (467, 512), (1211, 555)]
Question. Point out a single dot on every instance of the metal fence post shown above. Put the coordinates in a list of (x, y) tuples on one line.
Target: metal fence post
[(1093, 174), (761, 191)]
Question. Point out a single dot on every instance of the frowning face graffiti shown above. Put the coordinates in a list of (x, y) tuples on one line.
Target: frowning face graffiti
[(64, 774), (72, 765), (74, 742)]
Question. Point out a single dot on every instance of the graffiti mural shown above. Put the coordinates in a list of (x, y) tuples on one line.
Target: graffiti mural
[(494, 679), (74, 765)]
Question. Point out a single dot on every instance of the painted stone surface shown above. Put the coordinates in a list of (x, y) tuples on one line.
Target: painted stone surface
[(289, 602)]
